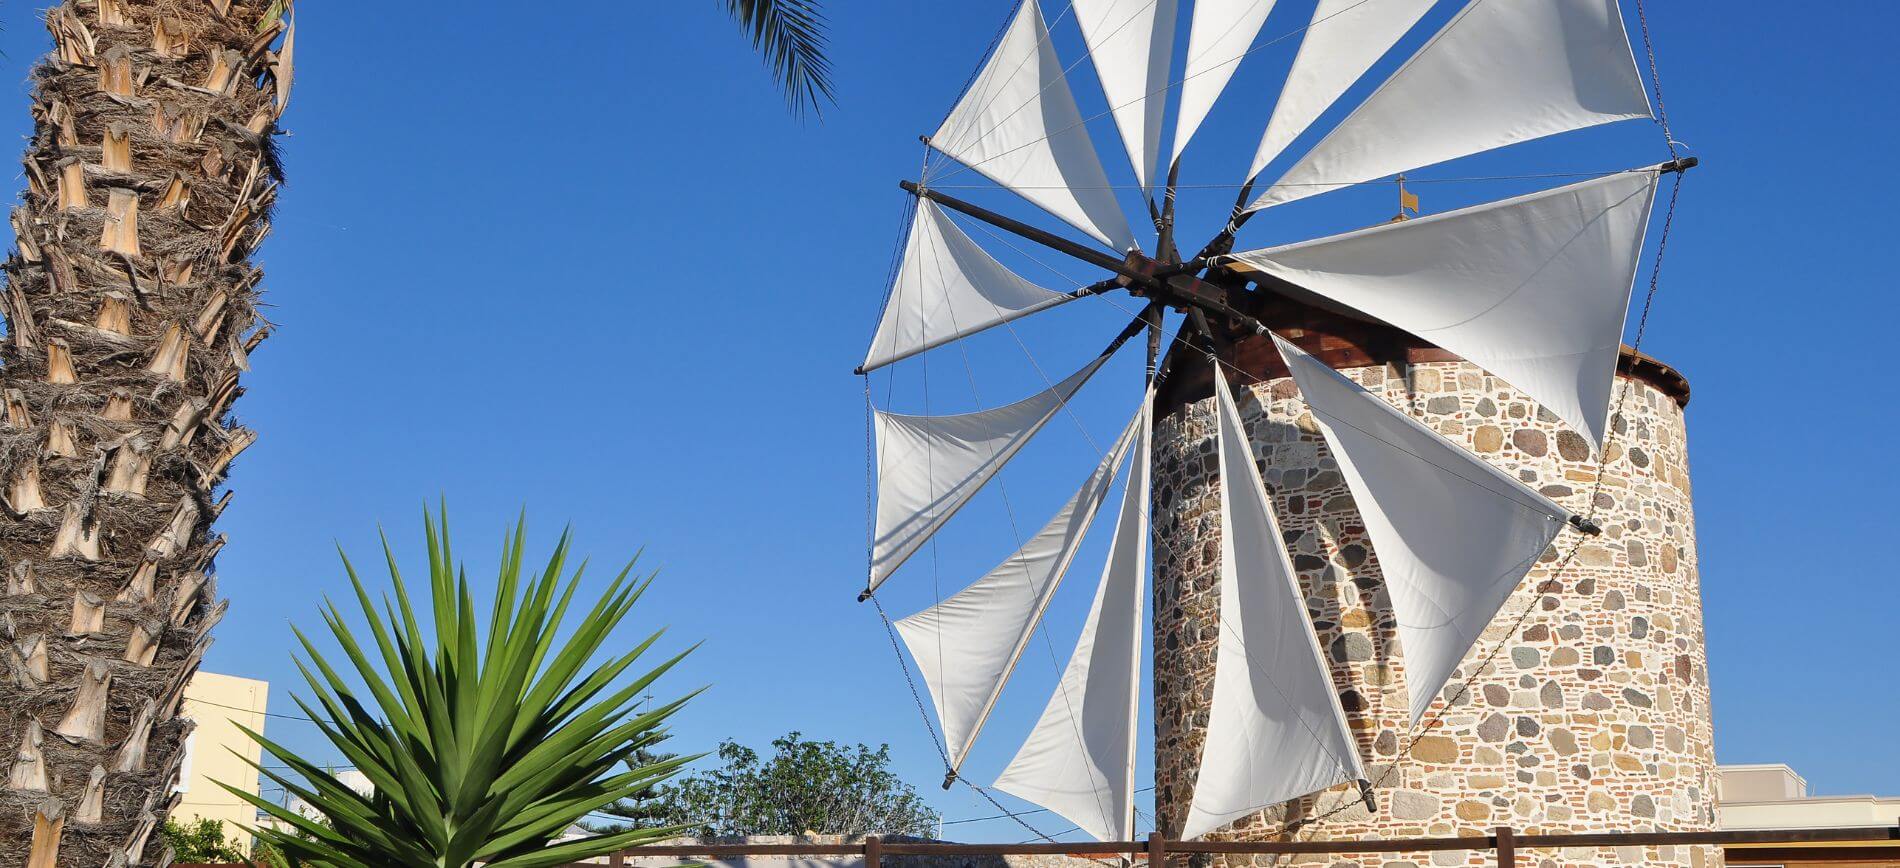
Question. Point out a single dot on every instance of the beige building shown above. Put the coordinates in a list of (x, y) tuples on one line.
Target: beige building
[(219, 704), (1773, 796)]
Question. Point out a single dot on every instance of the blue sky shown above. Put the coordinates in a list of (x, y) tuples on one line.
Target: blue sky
[(586, 264)]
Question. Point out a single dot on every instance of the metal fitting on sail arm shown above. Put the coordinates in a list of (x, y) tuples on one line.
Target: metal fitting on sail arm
[(1365, 794), (1585, 525), (1679, 164)]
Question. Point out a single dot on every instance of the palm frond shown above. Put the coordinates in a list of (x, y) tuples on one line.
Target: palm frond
[(790, 36), (510, 730)]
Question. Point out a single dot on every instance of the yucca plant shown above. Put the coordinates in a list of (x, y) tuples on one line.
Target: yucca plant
[(484, 748)]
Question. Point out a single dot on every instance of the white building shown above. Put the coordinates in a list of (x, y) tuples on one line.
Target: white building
[(1773, 796)]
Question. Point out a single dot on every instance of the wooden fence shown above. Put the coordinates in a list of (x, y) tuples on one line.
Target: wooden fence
[(1503, 841)]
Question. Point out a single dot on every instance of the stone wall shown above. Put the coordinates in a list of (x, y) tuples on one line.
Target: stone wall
[(1056, 860), (1590, 715)]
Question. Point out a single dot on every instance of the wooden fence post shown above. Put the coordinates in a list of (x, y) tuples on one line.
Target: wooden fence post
[(1157, 850), (617, 860), (873, 851), (1507, 847)]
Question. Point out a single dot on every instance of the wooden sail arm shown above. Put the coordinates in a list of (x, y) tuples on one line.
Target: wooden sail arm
[(1223, 242), (1174, 284), (1164, 242), (1090, 255)]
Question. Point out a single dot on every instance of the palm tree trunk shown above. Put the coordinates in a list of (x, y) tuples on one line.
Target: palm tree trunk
[(130, 309)]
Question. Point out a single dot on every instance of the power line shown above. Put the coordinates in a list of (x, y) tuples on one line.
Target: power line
[(257, 711)]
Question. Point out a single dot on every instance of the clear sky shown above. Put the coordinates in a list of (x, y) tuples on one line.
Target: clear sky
[(584, 263)]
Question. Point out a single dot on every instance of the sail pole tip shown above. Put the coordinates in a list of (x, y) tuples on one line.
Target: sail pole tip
[(1681, 164), (1365, 793), (864, 595), (1585, 525), (949, 777)]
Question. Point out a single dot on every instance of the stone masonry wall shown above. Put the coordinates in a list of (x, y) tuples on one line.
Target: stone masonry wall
[(1590, 715)]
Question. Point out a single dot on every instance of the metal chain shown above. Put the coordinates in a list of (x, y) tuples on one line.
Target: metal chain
[(1655, 81), (923, 711)]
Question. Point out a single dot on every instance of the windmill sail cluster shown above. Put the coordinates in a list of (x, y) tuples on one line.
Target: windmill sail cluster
[(1501, 72), (1533, 289), (1018, 126)]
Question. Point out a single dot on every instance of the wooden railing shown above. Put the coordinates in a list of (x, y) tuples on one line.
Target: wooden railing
[(1504, 841)]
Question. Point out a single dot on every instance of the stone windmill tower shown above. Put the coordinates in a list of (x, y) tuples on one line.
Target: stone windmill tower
[(1584, 707)]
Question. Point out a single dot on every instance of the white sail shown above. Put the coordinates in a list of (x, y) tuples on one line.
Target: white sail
[(1079, 761), (1345, 38), (1221, 34), (928, 467), (1453, 534), (966, 646), (1533, 289), (948, 288), (1018, 126), (1132, 43), (1501, 72), (1275, 730)]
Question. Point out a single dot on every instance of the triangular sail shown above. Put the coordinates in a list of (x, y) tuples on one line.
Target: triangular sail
[(1221, 34), (1533, 289), (1454, 535), (1079, 761), (1018, 126), (1132, 43), (966, 646), (1501, 72), (928, 467), (1275, 729), (948, 288), (1345, 38)]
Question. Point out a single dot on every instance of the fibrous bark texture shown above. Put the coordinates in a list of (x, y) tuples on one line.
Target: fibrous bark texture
[(130, 303)]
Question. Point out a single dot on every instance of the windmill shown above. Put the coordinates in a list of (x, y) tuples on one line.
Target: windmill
[(1532, 290)]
